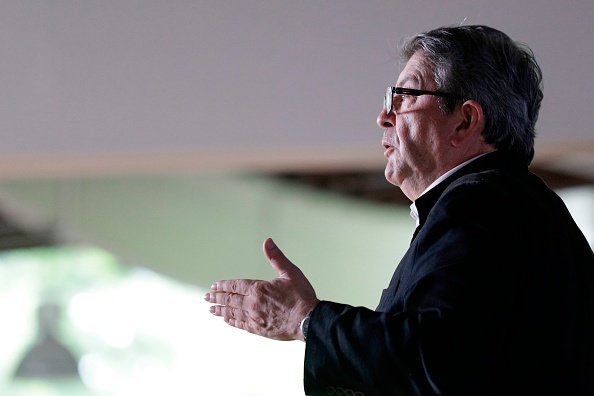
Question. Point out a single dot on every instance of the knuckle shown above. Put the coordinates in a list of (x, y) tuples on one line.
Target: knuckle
[(255, 304), (257, 289), (260, 320), (260, 290)]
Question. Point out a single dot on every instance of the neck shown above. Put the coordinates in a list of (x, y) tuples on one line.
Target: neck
[(414, 190)]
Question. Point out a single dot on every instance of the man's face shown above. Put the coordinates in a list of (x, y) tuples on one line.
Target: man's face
[(416, 132)]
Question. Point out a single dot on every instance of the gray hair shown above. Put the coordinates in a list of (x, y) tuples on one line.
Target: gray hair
[(484, 64)]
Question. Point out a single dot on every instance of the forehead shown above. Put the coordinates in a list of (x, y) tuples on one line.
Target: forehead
[(417, 73)]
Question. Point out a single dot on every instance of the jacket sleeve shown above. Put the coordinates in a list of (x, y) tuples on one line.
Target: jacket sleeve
[(447, 319)]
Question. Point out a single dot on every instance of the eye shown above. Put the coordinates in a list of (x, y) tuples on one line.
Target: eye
[(398, 100), (405, 98)]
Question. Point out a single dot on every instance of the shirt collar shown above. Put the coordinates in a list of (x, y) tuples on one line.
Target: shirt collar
[(414, 213)]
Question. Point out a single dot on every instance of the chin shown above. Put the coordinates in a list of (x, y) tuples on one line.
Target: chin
[(391, 177)]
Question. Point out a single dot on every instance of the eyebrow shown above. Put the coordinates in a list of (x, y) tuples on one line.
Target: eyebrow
[(409, 78)]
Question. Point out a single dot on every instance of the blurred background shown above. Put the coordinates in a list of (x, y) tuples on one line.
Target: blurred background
[(149, 147)]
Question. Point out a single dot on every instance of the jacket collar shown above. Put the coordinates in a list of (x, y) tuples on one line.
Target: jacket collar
[(490, 161)]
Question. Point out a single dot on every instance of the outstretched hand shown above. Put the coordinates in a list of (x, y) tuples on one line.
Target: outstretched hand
[(272, 309)]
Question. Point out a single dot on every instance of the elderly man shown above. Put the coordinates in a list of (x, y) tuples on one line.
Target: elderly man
[(495, 295)]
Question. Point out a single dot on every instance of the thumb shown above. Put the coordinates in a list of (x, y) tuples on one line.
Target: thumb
[(278, 260)]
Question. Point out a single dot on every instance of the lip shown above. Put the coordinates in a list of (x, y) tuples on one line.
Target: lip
[(389, 150)]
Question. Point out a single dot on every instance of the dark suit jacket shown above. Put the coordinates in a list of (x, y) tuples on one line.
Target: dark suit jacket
[(495, 296)]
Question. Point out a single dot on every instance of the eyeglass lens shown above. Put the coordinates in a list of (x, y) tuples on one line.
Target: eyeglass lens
[(388, 100)]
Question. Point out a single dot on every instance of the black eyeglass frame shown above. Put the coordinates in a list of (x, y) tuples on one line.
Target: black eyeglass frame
[(391, 91)]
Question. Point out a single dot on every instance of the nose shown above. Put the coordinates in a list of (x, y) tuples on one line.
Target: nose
[(385, 120)]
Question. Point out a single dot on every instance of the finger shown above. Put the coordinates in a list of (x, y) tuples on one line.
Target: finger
[(229, 313), (237, 286), (227, 299), (235, 317), (278, 260), (240, 324)]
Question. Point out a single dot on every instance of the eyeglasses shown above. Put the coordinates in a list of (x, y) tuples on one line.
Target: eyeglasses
[(391, 91)]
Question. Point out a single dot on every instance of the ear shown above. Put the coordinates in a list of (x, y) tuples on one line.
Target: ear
[(471, 123)]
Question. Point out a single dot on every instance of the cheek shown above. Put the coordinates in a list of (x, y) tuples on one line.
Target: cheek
[(407, 135), (416, 145), (412, 127)]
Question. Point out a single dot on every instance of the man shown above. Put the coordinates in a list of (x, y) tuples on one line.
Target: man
[(495, 295)]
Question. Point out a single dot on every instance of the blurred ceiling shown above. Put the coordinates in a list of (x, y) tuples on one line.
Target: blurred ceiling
[(143, 86)]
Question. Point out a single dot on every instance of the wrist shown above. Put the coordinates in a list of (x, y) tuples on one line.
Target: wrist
[(304, 325)]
